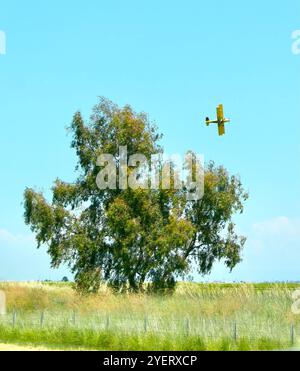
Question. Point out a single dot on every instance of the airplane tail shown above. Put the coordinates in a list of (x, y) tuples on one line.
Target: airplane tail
[(207, 121)]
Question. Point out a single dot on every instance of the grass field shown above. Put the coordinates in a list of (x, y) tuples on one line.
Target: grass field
[(196, 317)]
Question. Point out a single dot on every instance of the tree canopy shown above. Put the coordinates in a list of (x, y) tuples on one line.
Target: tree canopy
[(126, 237)]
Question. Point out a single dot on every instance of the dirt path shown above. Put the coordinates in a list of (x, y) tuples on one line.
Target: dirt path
[(13, 347), (18, 347)]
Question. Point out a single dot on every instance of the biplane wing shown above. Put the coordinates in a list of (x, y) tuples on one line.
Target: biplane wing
[(221, 128), (220, 113)]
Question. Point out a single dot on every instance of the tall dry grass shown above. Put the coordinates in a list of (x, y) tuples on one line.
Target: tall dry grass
[(236, 301)]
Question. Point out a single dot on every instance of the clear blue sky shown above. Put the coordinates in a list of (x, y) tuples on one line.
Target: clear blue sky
[(175, 60)]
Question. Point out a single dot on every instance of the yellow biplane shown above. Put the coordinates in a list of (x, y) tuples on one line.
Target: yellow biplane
[(220, 120)]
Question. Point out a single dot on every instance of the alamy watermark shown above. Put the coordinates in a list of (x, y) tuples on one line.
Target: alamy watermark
[(296, 42), (160, 171), (2, 43)]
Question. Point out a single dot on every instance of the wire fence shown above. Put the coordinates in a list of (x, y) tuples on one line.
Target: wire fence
[(201, 327)]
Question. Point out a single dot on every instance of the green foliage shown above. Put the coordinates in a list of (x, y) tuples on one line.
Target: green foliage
[(129, 237)]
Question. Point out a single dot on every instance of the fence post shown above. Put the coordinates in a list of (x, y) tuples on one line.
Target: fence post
[(187, 327), (74, 317), (234, 335), (2, 303), (42, 318), (14, 318), (292, 334), (107, 322), (145, 323)]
